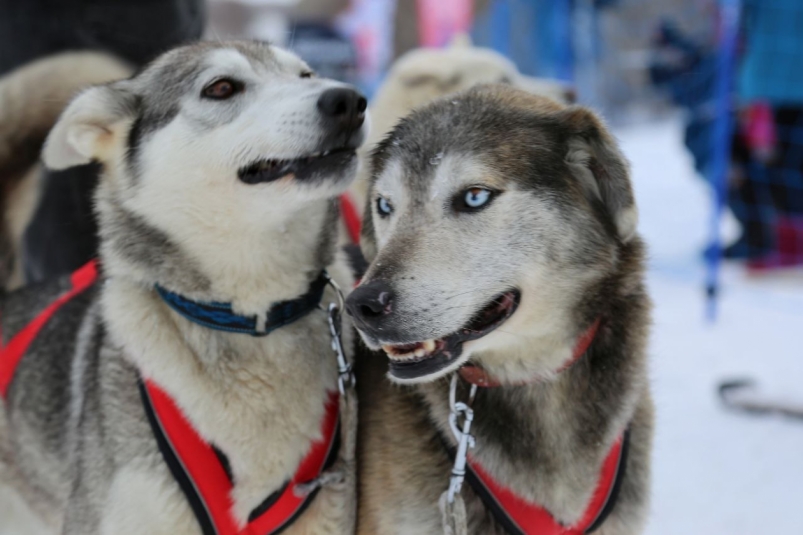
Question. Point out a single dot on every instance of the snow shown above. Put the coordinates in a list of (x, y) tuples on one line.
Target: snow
[(715, 472)]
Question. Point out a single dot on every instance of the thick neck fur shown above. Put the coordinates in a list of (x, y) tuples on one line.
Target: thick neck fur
[(259, 399), (547, 440), (250, 267)]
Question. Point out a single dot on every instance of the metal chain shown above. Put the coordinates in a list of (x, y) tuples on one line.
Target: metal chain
[(462, 433), (345, 373)]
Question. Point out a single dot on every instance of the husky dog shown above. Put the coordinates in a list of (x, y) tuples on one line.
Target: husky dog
[(501, 235), (222, 163)]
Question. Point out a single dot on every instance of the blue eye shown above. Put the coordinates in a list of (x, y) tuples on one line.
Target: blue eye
[(473, 199), (384, 207)]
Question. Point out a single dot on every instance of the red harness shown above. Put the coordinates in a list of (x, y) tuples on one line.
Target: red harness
[(520, 517), (199, 468), (202, 471), (351, 217), (11, 353)]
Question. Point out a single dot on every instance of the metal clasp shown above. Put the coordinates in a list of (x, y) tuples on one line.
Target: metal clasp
[(345, 373), (462, 433)]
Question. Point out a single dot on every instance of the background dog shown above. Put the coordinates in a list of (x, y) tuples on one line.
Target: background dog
[(425, 74), (501, 228), (222, 163)]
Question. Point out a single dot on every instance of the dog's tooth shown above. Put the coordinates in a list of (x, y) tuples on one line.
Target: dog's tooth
[(420, 352), (429, 346), (392, 353)]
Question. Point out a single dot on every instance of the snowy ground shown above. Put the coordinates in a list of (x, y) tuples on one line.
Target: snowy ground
[(715, 472)]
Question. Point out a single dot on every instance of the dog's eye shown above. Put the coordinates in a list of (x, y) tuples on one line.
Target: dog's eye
[(306, 74), (222, 89), (384, 207), (473, 199)]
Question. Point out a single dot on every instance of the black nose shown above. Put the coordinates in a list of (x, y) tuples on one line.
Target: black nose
[(344, 106), (370, 302)]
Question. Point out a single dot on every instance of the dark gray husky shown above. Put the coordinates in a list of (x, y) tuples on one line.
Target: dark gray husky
[(506, 288), (222, 163)]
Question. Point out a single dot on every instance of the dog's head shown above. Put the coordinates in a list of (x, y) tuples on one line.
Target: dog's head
[(246, 115), (213, 143), (489, 216)]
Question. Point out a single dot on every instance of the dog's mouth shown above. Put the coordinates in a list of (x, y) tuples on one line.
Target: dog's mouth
[(325, 162), (420, 359)]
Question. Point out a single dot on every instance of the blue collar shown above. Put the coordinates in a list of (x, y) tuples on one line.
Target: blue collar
[(219, 316)]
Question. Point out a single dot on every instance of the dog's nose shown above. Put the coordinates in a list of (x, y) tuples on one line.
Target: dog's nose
[(343, 105), (370, 302)]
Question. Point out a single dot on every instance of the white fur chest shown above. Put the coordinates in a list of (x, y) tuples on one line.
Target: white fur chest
[(259, 400)]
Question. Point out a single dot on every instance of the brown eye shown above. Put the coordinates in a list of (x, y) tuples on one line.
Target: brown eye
[(222, 89), (306, 74)]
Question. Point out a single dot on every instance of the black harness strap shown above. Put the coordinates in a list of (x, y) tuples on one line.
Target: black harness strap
[(176, 467), (610, 503)]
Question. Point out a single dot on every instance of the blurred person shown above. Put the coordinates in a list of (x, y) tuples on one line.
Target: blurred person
[(62, 234), (686, 70), (770, 87)]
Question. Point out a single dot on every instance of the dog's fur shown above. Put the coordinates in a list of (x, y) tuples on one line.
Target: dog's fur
[(31, 99), (562, 230), (425, 74), (74, 439)]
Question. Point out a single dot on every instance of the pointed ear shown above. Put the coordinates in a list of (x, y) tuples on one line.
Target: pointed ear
[(599, 165), (89, 126)]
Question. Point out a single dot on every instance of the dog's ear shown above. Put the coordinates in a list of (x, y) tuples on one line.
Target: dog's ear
[(88, 127), (367, 234), (595, 159)]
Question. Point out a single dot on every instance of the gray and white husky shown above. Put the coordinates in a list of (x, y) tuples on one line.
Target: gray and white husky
[(222, 163), (501, 231)]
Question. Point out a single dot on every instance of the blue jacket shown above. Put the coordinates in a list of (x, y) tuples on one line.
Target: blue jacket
[(772, 66)]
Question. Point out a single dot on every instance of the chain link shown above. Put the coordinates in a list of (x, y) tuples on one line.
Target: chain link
[(345, 373), (462, 434)]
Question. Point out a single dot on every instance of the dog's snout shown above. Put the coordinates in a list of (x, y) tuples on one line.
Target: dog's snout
[(370, 302), (344, 106)]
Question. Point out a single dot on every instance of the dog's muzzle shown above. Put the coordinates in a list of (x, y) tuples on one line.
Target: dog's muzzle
[(342, 115), (372, 307)]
